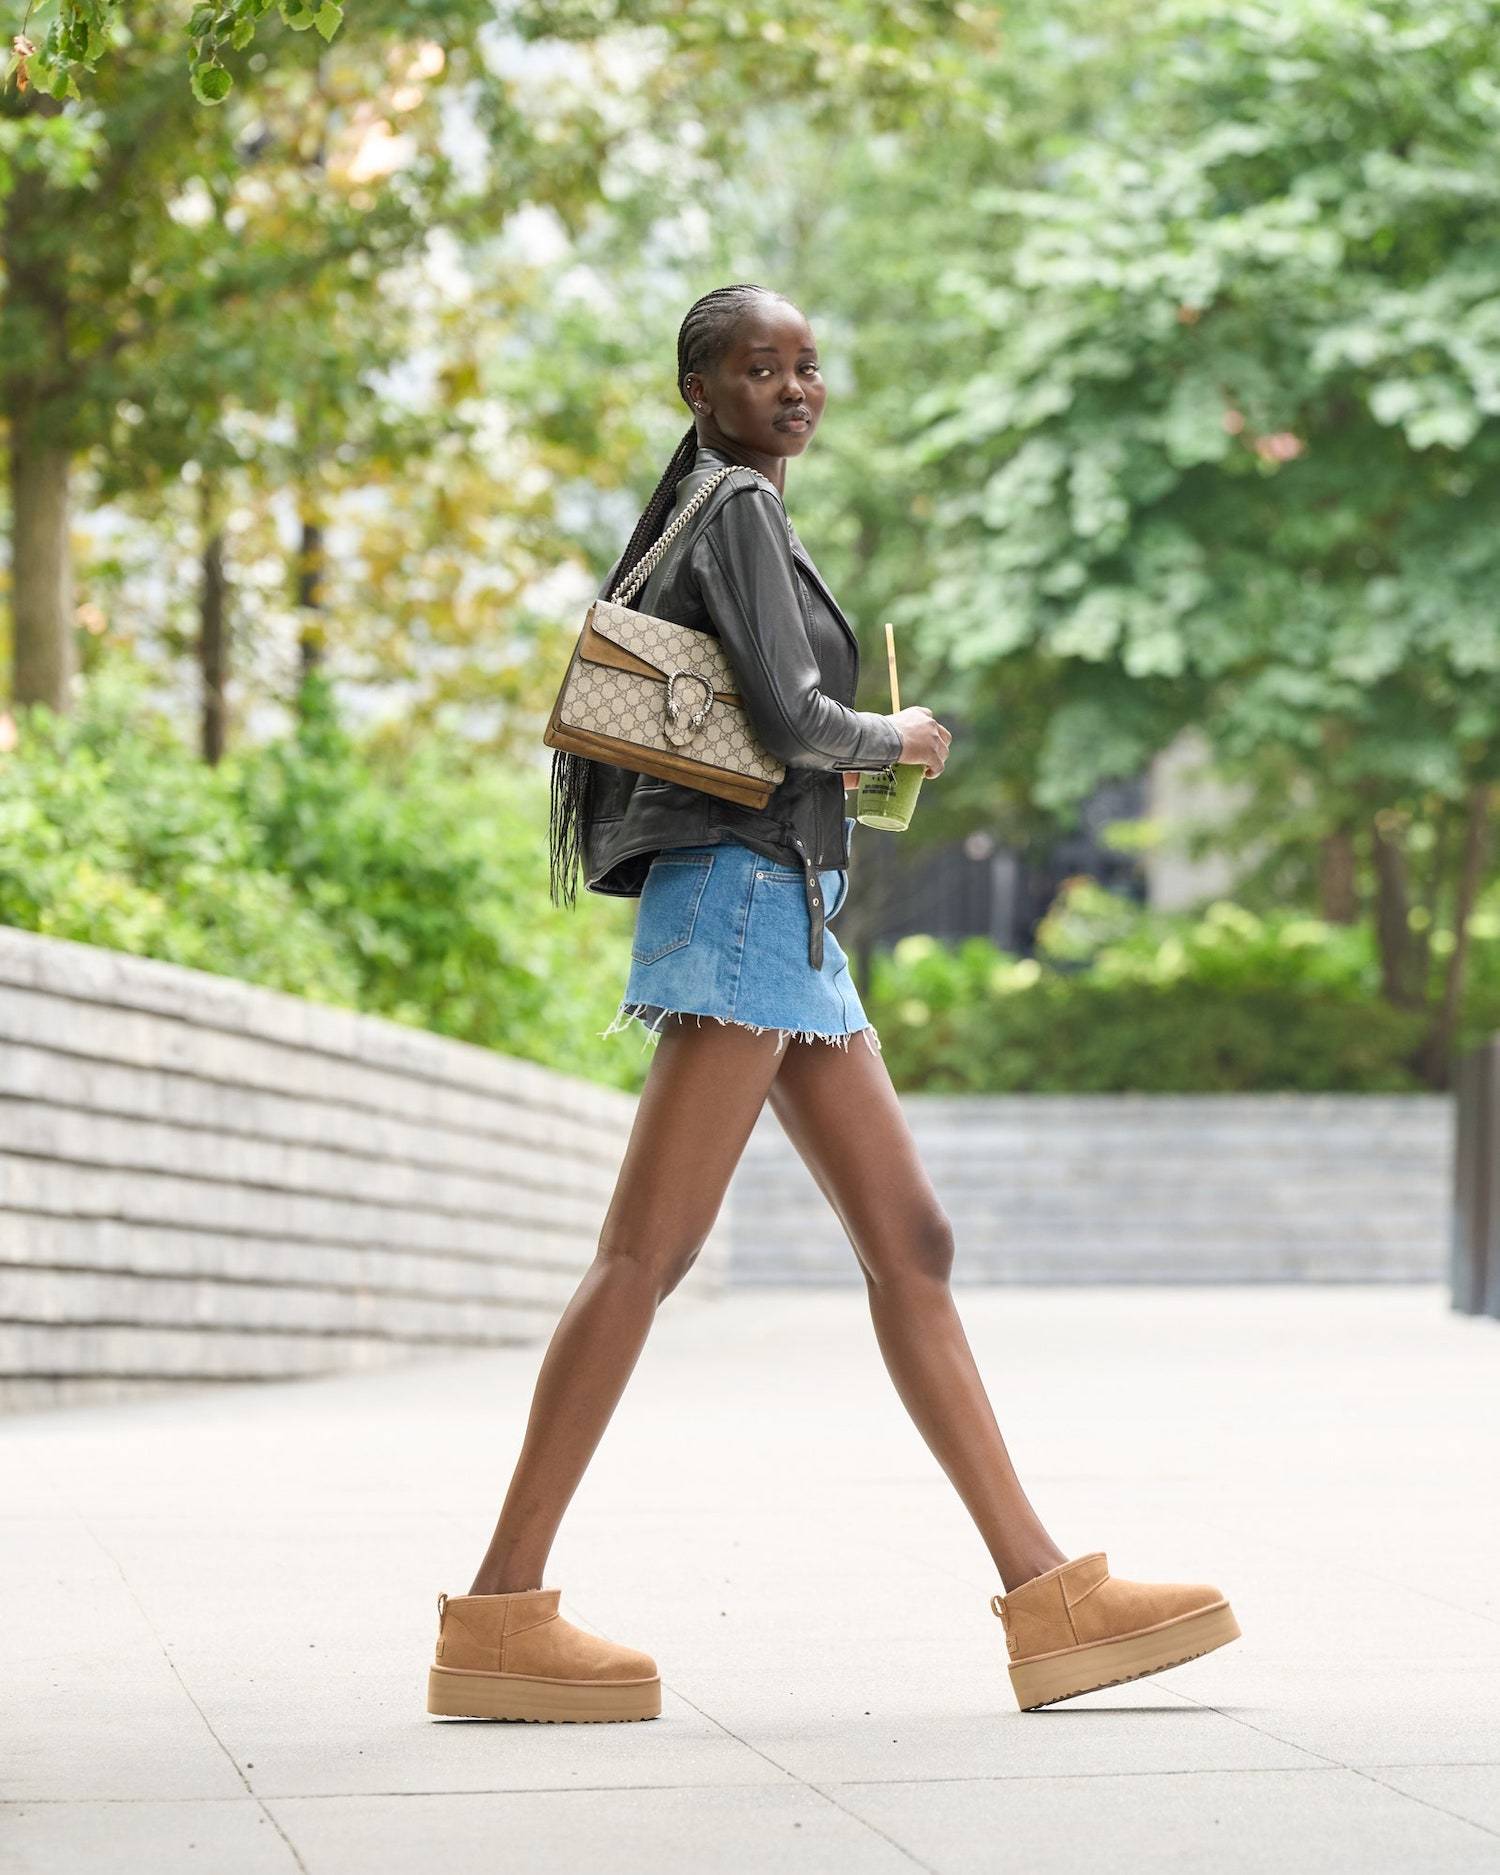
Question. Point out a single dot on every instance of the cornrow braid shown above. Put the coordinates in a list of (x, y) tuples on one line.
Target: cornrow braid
[(702, 340)]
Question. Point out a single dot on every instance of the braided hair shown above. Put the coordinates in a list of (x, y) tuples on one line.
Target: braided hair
[(702, 340)]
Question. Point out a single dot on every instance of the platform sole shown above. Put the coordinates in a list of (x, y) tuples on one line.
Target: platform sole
[(1129, 1657), (455, 1695)]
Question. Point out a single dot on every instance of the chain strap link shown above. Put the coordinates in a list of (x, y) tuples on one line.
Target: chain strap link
[(633, 581)]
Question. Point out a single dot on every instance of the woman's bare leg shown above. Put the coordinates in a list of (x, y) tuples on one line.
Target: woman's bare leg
[(841, 1113), (703, 1093)]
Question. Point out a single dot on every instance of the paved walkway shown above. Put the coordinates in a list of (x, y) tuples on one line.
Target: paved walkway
[(220, 1608)]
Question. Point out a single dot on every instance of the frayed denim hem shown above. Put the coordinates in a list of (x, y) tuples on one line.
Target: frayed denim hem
[(640, 1011)]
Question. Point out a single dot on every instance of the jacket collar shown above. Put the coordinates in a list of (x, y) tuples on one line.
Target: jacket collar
[(715, 458)]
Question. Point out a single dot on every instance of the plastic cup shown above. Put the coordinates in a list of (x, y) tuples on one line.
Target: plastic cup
[(887, 797)]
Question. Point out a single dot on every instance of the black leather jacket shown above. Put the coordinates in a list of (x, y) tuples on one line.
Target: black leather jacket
[(739, 571)]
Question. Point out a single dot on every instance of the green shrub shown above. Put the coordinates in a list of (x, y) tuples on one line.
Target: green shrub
[(1079, 1035), (1122, 999), (1222, 944), (111, 834), (417, 891), (433, 878)]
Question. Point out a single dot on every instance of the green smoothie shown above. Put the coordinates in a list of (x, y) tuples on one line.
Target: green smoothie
[(887, 797)]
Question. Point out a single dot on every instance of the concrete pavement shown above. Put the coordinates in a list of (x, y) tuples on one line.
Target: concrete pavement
[(220, 1605)]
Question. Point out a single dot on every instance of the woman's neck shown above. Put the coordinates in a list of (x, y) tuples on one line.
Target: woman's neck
[(773, 468)]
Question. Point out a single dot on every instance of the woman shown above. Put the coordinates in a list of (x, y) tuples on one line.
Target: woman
[(731, 927)]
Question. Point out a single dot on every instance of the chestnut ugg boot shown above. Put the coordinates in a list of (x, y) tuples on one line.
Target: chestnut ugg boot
[(1075, 1628), (515, 1657)]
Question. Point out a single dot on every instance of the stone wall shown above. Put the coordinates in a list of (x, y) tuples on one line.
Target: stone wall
[(201, 1180), (1139, 1188)]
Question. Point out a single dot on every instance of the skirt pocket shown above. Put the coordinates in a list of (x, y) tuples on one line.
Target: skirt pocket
[(669, 904)]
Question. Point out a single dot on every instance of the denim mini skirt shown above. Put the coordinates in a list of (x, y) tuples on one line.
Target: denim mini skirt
[(721, 931)]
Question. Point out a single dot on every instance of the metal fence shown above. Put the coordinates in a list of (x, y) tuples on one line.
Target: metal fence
[(978, 886)]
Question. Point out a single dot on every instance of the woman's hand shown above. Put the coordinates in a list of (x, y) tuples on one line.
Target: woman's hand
[(923, 739), (851, 778)]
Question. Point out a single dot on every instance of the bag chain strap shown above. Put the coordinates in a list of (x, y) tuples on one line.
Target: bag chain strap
[(642, 569)]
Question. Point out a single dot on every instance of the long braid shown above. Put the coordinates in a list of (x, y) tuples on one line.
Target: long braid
[(702, 339)]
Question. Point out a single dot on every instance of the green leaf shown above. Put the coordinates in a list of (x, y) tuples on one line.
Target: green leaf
[(1451, 425), (1193, 428), (211, 84)]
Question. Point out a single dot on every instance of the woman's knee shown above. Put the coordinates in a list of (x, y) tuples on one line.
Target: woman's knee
[(660, 1269), (921, 1247)]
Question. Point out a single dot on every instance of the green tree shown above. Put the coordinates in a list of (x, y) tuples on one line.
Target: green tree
[(187, 263), (1223, 443), (121, 311)]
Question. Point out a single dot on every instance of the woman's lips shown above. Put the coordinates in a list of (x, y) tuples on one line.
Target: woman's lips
[(794, 423)]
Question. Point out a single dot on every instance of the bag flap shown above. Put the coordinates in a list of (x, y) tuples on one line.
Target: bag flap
[(658, 644)]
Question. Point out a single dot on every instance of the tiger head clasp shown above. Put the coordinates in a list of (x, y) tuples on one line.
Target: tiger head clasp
[(674, 709)]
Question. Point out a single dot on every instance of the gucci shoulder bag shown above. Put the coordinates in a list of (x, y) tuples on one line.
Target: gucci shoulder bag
[(646, 694)]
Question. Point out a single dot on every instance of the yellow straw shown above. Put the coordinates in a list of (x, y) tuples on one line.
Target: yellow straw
[(890, 658)]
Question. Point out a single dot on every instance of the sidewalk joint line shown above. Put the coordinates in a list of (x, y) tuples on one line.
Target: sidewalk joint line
[(814, 1790), (188, 1694), (1426, 1802)]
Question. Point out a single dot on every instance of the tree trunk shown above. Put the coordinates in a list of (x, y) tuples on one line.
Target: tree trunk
[(44, 654), (1437, 1049), (311, 634), (213, 634), (34, 373), (1338, 898), (1393, 932)]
